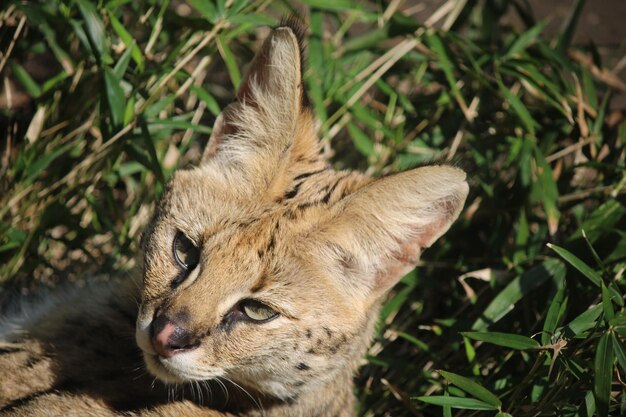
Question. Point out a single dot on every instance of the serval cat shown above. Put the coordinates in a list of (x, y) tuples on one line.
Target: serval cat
[(263, 270)]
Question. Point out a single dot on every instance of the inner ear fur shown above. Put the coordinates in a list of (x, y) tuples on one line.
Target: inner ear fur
[(377, 234)]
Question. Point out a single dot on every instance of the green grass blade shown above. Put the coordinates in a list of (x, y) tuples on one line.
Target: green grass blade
[(26, 80), (154, 163), (54, 82), (44, 162), (585, 321), (569, 25), (229, 60), (456, 402), (606, 216), (577, 263), (512, 341), (115, 96), (361, 141), (555, 314), (122, 64), (504, 302), (518, 107), (607, 305), (470, 353), (448, 68), (473, 388), (95, 29), (588, 408), (421, 345), (525, 40), (603, 367), (546, 191), (620, 351), (206, 8), (447, 410), (128, 41), (208, 99)]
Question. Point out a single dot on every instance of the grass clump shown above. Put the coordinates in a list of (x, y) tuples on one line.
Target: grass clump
[(518, 310)]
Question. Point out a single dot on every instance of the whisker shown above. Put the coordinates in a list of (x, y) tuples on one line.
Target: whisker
[(208, 387), (257, 403), (200, 391), (225, 389)]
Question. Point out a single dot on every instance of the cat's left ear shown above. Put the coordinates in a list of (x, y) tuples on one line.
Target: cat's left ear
[(269, 126), (375, 236)]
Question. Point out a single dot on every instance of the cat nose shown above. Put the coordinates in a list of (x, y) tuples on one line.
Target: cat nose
[(169, 339)]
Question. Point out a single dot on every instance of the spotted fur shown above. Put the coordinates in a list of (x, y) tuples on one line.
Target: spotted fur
[(274, 223)]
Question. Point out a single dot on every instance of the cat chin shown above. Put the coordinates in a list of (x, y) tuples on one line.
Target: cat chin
[(177, 371)]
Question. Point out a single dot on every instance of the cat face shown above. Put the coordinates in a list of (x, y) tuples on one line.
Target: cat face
[(263, 265), (256, 307)]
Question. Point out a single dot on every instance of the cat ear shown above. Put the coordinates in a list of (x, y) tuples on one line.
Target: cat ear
[(376, 235), (259, 129), (267, 100)]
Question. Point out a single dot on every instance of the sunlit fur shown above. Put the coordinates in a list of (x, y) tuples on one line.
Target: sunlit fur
[(274, 223)]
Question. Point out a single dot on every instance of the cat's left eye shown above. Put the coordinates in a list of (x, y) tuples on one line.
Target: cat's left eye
[(186, 253), (257, 311)]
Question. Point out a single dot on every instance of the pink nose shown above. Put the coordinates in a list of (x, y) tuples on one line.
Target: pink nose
[(169, 339)]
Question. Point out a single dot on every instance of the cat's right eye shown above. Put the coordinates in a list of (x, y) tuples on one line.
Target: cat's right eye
[(185, 252)]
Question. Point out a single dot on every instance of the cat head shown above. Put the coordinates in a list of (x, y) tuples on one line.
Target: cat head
[(265, 266)]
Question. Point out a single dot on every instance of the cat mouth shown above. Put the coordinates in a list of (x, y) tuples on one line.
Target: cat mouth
[(158, 369), (171, 371)]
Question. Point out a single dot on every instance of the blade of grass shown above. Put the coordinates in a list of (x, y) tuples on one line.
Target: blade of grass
[(583, 322), (95, 29), (448, 69), (474, 389), (206, 9), (115, 96), (231, 63), (555, 314), (525, 40), (577, 263), (518, 107), (456, 402), (362, 142), (603, 367), (569, 25), (512, 341), (26, 80), (128, 41), (505, 301)]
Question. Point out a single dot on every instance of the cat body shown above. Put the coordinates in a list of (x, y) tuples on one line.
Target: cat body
[(263, 270)]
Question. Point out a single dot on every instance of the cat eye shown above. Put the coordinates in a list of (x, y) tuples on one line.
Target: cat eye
[(257, 311), (186, 253)]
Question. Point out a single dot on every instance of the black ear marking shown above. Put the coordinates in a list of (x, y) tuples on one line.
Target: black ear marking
[(299, 28)]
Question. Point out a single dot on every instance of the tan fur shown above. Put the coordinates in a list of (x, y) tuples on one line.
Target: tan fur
[(273, 223)]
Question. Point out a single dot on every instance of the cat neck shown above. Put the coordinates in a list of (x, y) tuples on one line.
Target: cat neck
[(335, 398)]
